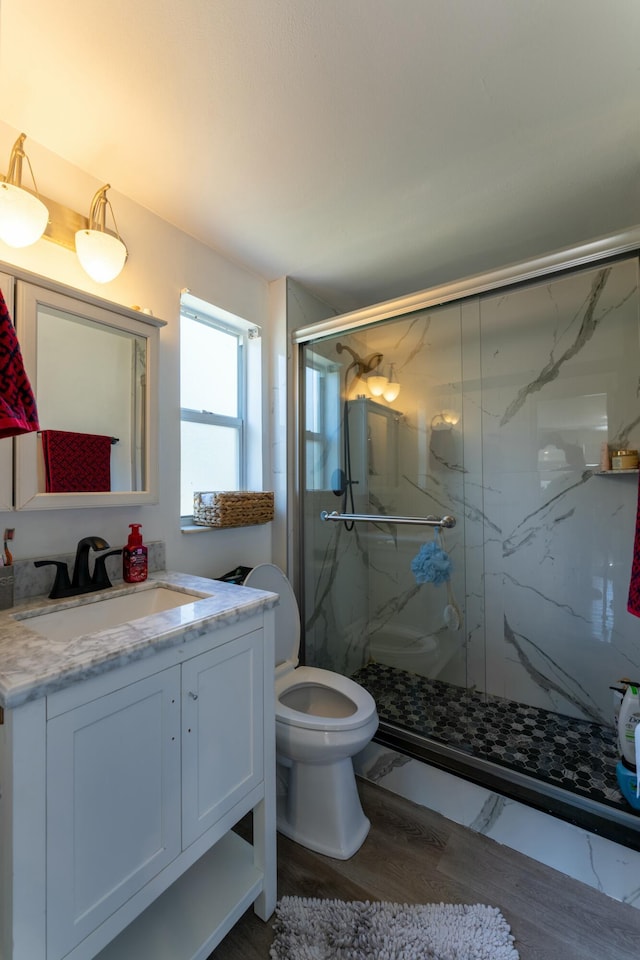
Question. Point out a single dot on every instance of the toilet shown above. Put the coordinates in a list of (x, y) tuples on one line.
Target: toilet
[(322, 720)]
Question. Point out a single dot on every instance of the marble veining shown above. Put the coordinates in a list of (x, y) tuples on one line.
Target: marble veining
[(32, 666), (600, 863), (551, 370)]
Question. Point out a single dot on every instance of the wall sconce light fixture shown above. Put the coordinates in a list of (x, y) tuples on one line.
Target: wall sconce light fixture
[(445, 420), (101, 253), (387, 387), (25, 217), (392, 388), (376, 384)]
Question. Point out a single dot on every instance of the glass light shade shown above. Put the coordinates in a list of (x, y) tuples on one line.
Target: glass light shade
[(391, 390), (376, 385), (101, 255), (23, 217)]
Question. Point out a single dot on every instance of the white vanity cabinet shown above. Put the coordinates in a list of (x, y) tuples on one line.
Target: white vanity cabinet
[(124, 848)]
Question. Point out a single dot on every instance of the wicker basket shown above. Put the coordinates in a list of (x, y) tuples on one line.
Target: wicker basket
[(232, 508)]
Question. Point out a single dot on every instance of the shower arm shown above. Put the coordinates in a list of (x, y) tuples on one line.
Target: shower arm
[(383, 518)]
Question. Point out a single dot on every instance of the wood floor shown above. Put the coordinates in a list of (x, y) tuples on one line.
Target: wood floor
[(413, 855)]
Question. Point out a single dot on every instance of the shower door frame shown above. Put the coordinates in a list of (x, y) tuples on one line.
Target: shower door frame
[(603, 248), (619, 825)]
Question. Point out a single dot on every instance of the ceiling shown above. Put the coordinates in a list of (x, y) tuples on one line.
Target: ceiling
[(367, 148)]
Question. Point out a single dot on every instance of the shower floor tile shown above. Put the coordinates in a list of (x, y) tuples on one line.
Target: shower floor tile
[(576, 755)]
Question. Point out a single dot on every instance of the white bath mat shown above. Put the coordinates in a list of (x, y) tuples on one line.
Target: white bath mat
[(313, 929)]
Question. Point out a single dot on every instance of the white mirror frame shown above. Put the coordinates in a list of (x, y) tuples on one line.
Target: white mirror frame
[(29, 297), (6, 444)]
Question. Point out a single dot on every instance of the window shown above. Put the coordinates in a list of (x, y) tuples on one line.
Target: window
[(213, 400), (322, 421)]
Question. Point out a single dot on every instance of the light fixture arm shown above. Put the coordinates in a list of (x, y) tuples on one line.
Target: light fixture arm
[(98, 211), (14, 174)]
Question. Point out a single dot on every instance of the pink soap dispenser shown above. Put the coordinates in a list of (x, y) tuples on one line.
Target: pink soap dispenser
[(134, 557)]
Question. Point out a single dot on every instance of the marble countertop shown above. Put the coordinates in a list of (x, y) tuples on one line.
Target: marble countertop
[(32, 666)]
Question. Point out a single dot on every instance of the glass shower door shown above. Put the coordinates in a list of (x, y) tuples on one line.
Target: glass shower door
[(376, 606)]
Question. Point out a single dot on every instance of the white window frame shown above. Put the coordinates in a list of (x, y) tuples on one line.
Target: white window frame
[(219, 319), (325, 368)]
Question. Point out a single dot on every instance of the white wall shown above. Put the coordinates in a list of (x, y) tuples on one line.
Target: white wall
[(162, 261)]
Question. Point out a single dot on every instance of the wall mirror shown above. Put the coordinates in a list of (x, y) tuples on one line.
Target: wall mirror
[(93, 368)]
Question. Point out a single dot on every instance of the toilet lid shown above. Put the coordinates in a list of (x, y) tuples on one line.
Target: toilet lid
[(266, 576)]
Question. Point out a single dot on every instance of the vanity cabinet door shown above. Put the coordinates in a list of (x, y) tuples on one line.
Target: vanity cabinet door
[(113, 803), (222, 752)]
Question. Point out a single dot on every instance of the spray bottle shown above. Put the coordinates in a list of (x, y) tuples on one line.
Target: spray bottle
[(134, 557), (628, 768)]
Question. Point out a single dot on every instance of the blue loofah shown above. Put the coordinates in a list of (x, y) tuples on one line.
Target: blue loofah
[(431, 564)]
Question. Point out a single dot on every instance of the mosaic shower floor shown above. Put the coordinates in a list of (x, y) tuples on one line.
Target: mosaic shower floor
[(575, 755)]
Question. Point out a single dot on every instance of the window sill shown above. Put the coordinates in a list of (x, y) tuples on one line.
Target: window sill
[(195, 528)]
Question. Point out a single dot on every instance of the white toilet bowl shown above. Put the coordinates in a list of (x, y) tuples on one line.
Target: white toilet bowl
[(322, 720)]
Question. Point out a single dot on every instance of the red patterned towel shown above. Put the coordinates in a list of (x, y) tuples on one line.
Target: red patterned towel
[(633, 603), (76, 462), (18, 413)]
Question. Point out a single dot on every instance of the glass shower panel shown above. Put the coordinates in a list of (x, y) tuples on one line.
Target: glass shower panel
[(560, 364), (363, 602)]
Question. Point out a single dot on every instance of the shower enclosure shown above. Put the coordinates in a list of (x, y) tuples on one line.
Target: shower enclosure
[(504, 404)]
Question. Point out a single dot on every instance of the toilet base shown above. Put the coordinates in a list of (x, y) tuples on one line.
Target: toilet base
[(321, 808)]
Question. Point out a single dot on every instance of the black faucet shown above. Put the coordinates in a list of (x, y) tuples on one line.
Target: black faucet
[(100, 578), (81, 581)]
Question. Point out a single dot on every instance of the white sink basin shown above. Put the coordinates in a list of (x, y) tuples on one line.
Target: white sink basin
[(90, 617)]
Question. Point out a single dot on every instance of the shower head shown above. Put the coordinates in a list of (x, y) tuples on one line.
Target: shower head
[(362, 366)]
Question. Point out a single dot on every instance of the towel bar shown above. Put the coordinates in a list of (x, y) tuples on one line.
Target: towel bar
[(383, 518)]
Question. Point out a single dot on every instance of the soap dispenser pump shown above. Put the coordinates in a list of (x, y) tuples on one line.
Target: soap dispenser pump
[(134, 557)]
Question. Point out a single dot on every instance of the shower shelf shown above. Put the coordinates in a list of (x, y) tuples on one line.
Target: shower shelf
[(614, 473)]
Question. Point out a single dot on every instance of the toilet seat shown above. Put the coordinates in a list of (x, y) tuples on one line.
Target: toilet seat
[(363, 703)]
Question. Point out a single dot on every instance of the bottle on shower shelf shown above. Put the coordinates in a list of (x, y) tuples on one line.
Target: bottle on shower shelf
[(627, 770)]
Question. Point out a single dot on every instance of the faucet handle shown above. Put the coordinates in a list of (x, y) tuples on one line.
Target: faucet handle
[(61, 584), (100, 578)]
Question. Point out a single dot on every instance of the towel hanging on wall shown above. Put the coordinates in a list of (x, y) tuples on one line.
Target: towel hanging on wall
[(18, 412), (633, 602), (76, 462)]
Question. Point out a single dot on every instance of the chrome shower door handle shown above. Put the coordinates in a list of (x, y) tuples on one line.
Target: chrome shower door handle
[(446, 521)]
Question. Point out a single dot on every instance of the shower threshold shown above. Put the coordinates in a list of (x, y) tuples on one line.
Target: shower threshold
[(558, 764)]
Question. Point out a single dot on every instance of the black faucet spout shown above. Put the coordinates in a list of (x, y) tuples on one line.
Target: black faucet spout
[(81, 578)]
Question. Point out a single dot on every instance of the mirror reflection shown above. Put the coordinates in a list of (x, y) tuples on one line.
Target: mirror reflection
[(90, 394), (92, 368)]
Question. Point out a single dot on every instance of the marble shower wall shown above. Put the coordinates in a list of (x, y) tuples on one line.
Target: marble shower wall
[(560, 373), (504, 403)]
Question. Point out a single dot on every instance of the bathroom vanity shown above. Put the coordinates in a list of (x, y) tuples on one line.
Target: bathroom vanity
[(126, 758)]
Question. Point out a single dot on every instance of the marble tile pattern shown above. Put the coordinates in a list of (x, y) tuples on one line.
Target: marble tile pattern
[(607, 866), (535, 378), (32, 666)]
